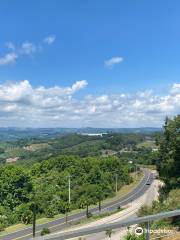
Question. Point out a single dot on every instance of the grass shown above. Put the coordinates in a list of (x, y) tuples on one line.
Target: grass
[(122, 192), (97, 217), (147, 144), (13, 228), (151, 167)]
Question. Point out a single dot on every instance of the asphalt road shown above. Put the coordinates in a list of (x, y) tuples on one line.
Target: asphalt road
[(60, 224)]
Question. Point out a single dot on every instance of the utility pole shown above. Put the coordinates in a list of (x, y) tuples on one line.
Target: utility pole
[(34, 221), (69, 188), (135, 171), (116, 183)]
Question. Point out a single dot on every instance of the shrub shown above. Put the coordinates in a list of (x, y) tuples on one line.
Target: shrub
[(50, 212), (45, 231), (2, 227), (119, 208), (89, 215), (27, 217), (132, 236)]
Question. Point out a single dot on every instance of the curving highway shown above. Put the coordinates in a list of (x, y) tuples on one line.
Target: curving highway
[(60, 224)]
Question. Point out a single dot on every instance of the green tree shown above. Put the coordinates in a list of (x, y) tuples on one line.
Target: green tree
[(169, 153), (87, 197), (15, 186)]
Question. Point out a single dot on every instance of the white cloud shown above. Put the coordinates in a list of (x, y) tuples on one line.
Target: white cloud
[(10, 108), (50, 39), (175, 88), (10, 45), (8, 58), (23, 105), (112, 61), (26, 48), (79, 85), (14, 92)]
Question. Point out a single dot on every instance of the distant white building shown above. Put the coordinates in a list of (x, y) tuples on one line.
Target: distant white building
[(93, 134)]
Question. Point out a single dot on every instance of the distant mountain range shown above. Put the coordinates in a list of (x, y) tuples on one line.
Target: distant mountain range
[(14, 133)]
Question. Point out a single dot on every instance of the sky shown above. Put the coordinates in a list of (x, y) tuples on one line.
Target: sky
[(89, 63)]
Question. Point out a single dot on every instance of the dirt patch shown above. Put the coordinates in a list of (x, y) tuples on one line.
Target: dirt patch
[(35, 147), (11, 160)]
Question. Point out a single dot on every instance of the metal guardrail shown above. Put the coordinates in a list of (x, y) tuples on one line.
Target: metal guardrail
[(104, 227)]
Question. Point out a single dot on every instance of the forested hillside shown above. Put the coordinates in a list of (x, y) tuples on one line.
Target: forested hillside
[(46, 185), (27, 151)]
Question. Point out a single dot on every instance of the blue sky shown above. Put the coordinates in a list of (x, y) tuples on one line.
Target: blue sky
[(117, 47)]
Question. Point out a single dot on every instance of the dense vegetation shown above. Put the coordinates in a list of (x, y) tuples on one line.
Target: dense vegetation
[(46, 184), (39, 178), (169, 153), (31, 150), (168, 165)]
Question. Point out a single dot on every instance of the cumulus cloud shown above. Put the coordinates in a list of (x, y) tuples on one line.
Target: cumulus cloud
[(175, 88), (50, 39), (15, 91), (112, 61), (8, 58), (79, 85), (21, 104)]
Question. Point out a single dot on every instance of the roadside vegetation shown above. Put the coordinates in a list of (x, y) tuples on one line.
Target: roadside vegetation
[(168, 165)]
